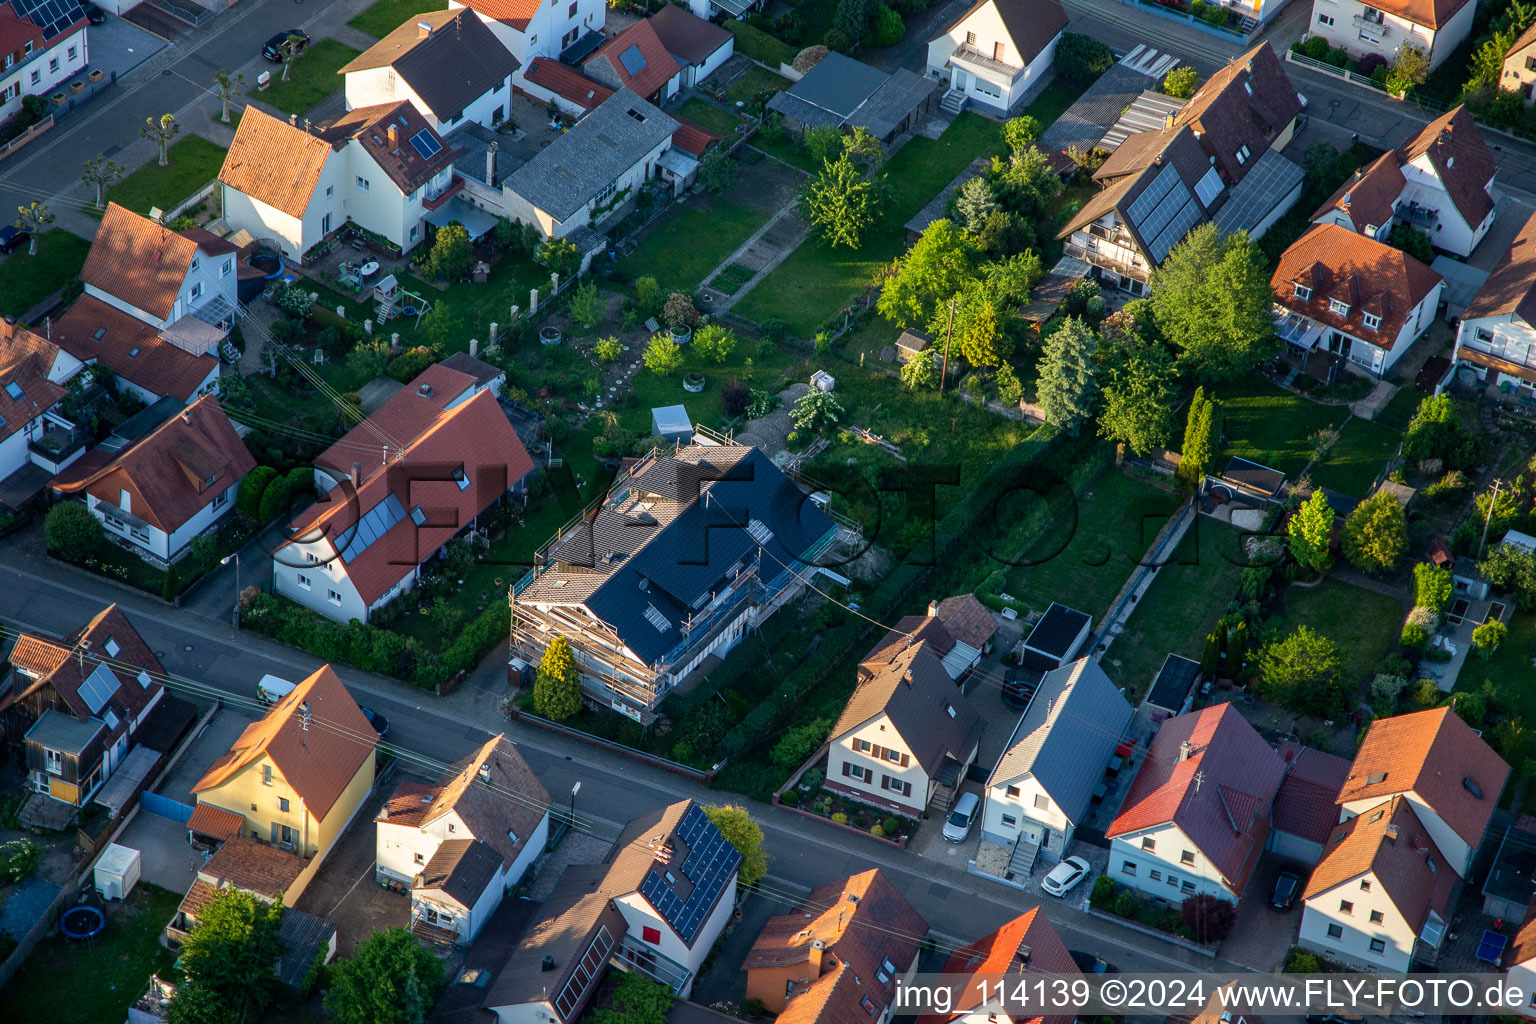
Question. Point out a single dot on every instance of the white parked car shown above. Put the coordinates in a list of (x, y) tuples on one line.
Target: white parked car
[(1066, 876), (961, 818)]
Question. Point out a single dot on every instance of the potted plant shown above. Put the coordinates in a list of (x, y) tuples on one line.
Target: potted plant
[(96, 74)]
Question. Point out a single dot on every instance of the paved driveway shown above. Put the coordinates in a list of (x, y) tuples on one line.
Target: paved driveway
[(1263, 934)]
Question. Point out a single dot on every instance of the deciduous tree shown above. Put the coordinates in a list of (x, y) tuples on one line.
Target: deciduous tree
[(1209, 917), (1376, 533), (161, 132), (225, 88), (746, 835), (936, 268), (587, 305), (816, 409), (231, 954), (101, 173), (559, 256), (1211, 298), (1067, 388), (1309, 532), (637, 999), (33, 218), (718, 171), (662, 356), (1303, 672), (557, 685), (390, 978), (452, 256), (1488, 636), (1082, 58), (714, 343), (1181, 82), (1019, 133), (1432, 586), (840, 203), (1138, 399), (921, 372)]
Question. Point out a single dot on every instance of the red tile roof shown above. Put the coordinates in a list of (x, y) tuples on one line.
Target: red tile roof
[(243, 863), (36, 394), (1430, 754), (1225, 811), (516, 13), (1304, 804), (142, 262), (1522, 949), (409, 805), (1370, 276), (691, 138), (687, 36), (1366, 198), (1028, 944), (131, 349), (36, 655), (1461, 159), (17, 32), (208, 820), (1391, 843), (87, 650), (1429, 13), (275, 162), (399, 423), (636, 59), (567, 82), (369, 127)]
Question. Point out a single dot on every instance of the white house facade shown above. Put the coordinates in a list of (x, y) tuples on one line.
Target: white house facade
[(1385, 28), (1497, 334), (35, 63), (997, 52), (531, 28)]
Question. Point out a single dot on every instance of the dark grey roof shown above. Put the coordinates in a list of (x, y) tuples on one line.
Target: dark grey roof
[(1066, 736), (1173, 682), (838, 84), (461, 869), (1057, 630), (1251, 474), (1272, 181), (59, 731), (1086, 121), (803, 111), (577, 915), (688, 37), (915, 693), (305, 935), (475, 140), (1513, 875), (482, 371), (605, 144), (460, 61), (893, 102)]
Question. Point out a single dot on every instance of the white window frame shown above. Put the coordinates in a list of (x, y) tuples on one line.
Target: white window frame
[(1338, 306), (53, 761), (1371, 320), (362, 184), (1302, 292)]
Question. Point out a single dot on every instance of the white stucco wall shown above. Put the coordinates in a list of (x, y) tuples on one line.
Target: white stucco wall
[(383, 85), (638, 914), (1452, 847), (1167, 860), (1047, 827), (1357, 929), (986, 87), (521, 209), (879, 732), (310, 584), (40, 74), (545, 30)]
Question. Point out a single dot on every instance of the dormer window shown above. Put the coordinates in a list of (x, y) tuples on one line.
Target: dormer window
[(1302, 292), (1372, 321), (1338, 306)]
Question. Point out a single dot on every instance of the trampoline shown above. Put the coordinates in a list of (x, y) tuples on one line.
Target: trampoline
[(1491, 947), (84, 922)]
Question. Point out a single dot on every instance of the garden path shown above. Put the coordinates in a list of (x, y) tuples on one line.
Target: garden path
[(769, 246), (1137, 585), (1369, 407)]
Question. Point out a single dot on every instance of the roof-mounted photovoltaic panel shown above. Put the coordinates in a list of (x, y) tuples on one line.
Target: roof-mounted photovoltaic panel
[(1162, 183), (711, 860), (1184, 214), (98, 688), (1209, 187), (377, 522), (633, 60), (52, 16), (423, 143)]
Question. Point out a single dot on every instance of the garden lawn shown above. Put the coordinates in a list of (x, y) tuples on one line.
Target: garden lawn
[(1364, 623), (692, 240), (194, 163), (1357, 458), (311, 78), (788, 149), (27, 280), (708, 115), (1399, 412), (817, 280), (1085, 558), (706, 407), (1180, 607), (1509, 668), (384, 16), (477, 305), (1269, 425), (88, 984), (752, 82)]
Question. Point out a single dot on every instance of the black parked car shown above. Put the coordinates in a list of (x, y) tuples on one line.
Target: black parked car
[(93, 14), (1090, 964), (13, 238), (273, 49), (379, 722), (1018, 686), (1287, 885)]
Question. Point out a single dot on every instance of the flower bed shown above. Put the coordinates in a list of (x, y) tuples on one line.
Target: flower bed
[(808, 796)]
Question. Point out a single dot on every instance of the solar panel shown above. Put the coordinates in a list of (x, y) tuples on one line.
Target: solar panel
[(1153, 194), (424, 143), (52, 16), (370, 528), (633, 60), (98, 688), (1209, 187), (710, 861)]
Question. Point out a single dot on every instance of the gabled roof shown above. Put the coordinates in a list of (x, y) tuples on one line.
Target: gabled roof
[(139, 261), (603, 146), (922, 703), (1461, 160), (401, 159), (689, 137), (967, 620), (1250, 101), (243, 863), (1522, 41), (1030, 24), (1389, 842), (36, 655), (54, 18), (567, 82), (1429, 13), (912, 629), (215, 822), (838, 85), (25, 390), (1066, 736), (1367, 197), (516, 13), (688, 37), (636, 59), (1304, 804), (494, 792), (274, 162), (1370, 276), (130, 348), (1217, 790), (409, 805), (577, 912), (407, 416), (85, 673), (482, 372), (860, 920), (16, 32), (461, 869), (316, 736), (1511, 288), (679, 840), (1028, 944), (1432, 754), (449, 58), (175, 472), (373, 529)]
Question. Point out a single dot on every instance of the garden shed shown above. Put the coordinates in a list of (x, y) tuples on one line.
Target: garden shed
[(672, 423), (117, 872)]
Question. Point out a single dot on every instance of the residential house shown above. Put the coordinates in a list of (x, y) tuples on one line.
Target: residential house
[(1029, 944), (266, 872), (1520, 961), (531, 28), (1496, 337), (447, 64), (1439, 765), (1305, 813), (446, 455), (547, 80), (1056, 638), (839, 957), (636, 59), (382, 167), (997, 52), (1440, 182), (42, 45), (906, 737), (299, 774), (143, 362), (459, 845), (1509, 888), (78, 705), (33, 430), (698, 45), (958, 629), (712, 536), (1353, 297), (1382, 895), (656, 905), (846, 94), (486, 377), (1435, 26), (1042, 784), (1520, 65), (1197, 817), (171, 487)]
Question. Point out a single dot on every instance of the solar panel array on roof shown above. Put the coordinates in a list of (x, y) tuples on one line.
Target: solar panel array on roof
[(52, 16), (98, 688), (710, 861), (633, 60), (1164, 212), (371, 527), (1209, 187), (423, 143)]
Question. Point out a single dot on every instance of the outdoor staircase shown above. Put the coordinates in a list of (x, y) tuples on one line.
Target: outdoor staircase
[(939, 803), (1023, 859), (385, 309), (953, 101), (1248, 25)]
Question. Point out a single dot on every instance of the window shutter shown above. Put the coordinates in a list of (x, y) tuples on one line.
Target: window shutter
[(847, 768), (879, 751), (905, 759), (906, 789)]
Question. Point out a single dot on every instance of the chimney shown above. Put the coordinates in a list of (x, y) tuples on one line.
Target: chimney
[(490, 164), (357, 475), (394, 136), (293, 120), (1024, 952), (1392, 834), (423, 29), (1185, 750), (933, 609), (547, 964), (485, 773), (1168, 121)]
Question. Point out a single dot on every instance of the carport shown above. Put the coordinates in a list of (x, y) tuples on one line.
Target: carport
[(475, 220)]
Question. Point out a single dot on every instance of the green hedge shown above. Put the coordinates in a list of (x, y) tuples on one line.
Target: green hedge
[(759, 45)]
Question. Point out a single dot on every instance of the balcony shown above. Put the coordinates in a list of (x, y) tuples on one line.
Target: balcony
[(1105, 262), (1296, 329), (1376, 26), (974, 58), (56, 446), (635, 955), (1419, 216), (432, 200)]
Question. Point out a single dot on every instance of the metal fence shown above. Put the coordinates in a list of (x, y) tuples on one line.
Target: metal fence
[(164, 806)]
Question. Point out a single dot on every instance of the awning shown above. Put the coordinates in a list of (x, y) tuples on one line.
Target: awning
[(129, 777), (476, 220)]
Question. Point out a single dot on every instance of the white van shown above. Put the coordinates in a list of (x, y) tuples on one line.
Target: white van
[(271, 689)]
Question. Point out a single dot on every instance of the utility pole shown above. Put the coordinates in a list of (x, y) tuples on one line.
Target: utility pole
[(949, 332), (1492, 500)]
